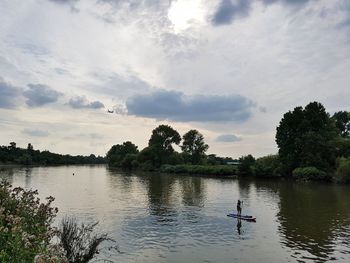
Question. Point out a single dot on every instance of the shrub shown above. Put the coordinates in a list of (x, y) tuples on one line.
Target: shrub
[(309, 173), (342, 173), (246, 165), (25, 224), (79, 241), (199, 169), (267, 166)]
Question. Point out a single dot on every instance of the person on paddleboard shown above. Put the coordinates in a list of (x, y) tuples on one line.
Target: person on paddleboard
[(239, 207)]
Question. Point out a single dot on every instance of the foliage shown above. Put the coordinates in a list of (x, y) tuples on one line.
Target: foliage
[(150, 158), (304, 138), (80, 243), (160, 148), (194, 147), (199, 169), (119, 152), (341, 147), (129, 161), (309, 173), (267, 166), (342, 173), (342, 122), (25, 224), (246, 165), (29, 156)]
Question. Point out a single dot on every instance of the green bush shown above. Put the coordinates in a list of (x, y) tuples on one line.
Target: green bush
[(199, 169), (246, 165), (25, 224), (309, 173), (342, 173), (267, 166)]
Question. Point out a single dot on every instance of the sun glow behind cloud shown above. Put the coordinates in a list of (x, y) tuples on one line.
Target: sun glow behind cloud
[(184, 13)]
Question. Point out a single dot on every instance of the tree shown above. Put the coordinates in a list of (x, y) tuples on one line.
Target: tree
[(163, 137), (304, 138), (118, 152), (342, 122), (246, 164), (30, 147), (160, 149), (12, 146), (193, 146)]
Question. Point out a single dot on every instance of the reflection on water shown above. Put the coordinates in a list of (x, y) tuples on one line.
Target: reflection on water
[(314, 218), (168, 218)]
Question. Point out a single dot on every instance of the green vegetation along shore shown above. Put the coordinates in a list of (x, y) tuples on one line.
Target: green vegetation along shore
[(14, 155), (312, 146)]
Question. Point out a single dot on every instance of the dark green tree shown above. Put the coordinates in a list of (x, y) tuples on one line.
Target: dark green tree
[(163, 137), (160, 146), (193, 146), (118, 152), (342, 122), (246, 164), (30, 147), (304, 138), (12, 146)]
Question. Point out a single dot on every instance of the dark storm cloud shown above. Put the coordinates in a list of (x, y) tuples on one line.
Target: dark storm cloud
[(228, 138), (8, 95), (175, 106), (80, 102), (39, 95), (35, 132)]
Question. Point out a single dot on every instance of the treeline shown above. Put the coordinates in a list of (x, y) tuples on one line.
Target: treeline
[(160, 154), (313, 145), (14, 155)]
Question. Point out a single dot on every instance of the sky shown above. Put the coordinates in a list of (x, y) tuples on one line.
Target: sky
[(228, 68)]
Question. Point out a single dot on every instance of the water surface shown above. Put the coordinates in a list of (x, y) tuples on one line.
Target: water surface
[(168, 218)]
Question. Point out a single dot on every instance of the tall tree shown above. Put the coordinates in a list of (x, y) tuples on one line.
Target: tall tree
[(304, 138), (193, 146), (342, 122), (163, 137), (118, 152), (160, 149), (30, 147)]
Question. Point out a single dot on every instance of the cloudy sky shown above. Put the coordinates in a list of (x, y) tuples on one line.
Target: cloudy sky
[(229, 68)]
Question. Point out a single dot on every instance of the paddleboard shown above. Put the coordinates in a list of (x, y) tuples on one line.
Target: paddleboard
[(243, 217)]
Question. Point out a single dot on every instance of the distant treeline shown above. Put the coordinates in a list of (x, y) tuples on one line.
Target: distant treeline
[(312, 145), (14, 155)]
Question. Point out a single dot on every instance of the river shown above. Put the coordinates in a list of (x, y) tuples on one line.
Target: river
[(171, 218)]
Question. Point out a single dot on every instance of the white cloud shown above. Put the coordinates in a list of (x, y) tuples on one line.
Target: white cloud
[(276, 54)]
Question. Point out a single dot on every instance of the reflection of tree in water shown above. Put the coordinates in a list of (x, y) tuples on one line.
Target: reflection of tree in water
[(116, 177), (160, 195), (312, 217), (192, 190)]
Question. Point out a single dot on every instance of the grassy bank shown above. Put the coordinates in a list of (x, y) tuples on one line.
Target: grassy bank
[(215, 170)]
